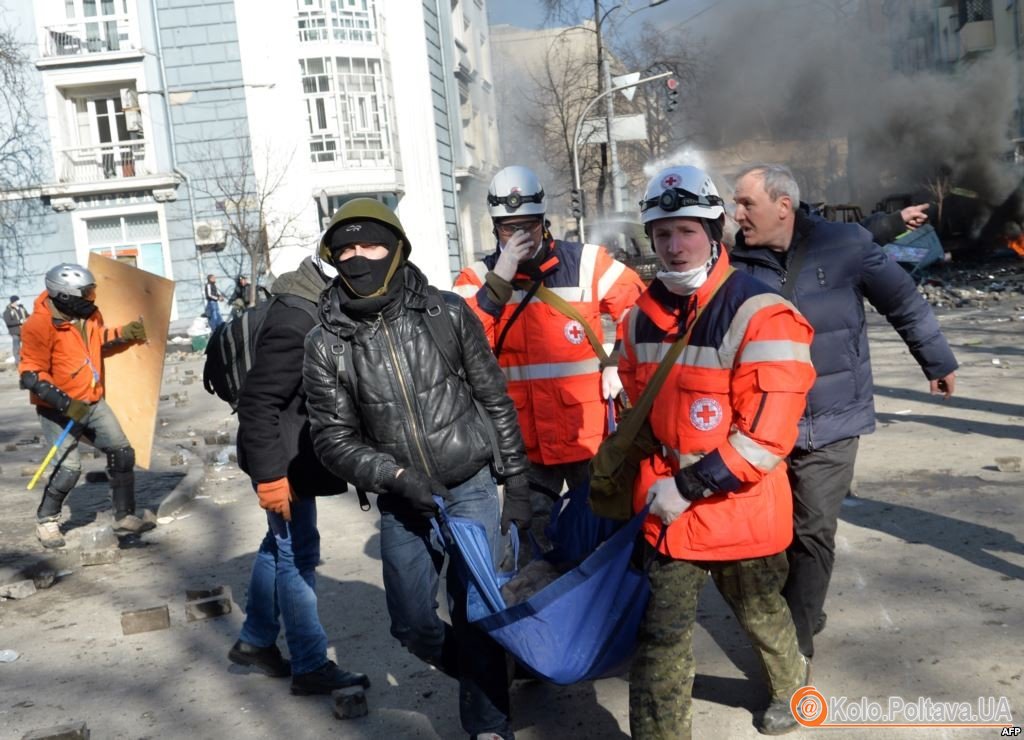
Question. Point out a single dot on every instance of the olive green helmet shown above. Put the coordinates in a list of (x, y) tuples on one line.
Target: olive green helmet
[(362, 208)]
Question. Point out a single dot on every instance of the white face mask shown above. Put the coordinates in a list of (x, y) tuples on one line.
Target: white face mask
[(684, 283)]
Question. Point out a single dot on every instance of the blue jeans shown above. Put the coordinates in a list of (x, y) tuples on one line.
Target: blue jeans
[(282, 588), (412, 559), (213, 315)]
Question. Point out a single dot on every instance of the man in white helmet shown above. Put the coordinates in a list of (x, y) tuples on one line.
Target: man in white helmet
[(724, 419), (549, 339), (63, 345)]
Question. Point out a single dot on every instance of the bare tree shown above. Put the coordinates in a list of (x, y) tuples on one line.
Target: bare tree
[(560, 87), (244, 190), (20, 156)]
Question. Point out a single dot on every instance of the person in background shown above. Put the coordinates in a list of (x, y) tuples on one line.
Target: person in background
[(827, 269), (212, 296), (14, 316)]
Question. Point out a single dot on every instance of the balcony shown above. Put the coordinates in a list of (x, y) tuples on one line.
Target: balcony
[(87, 164), (977, 36), (110, 37)]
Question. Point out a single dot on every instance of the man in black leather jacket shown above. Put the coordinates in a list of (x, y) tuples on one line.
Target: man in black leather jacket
[(389, 415)]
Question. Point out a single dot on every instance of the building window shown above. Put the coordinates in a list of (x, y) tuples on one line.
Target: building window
[(342, 21), (346, 110), (975, 10), (131, 238)]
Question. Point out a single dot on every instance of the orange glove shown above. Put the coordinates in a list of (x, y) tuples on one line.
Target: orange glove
[(276, 496)]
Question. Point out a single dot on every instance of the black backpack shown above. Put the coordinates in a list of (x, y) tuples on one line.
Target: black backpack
[(229, 351)]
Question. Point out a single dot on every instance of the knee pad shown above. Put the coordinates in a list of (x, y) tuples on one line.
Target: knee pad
[(121, 460), (62, 481)]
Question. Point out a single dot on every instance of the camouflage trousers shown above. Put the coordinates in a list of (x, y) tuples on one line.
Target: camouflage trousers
[(661, 679)]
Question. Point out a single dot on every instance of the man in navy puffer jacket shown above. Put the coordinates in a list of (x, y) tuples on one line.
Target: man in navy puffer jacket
[(827, 270)]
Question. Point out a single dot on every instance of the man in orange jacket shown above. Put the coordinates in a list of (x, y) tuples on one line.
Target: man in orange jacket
[(726, 417), (63, 345), (558, 379)]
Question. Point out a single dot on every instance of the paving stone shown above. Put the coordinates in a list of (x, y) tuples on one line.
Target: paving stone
[(28, 472), (44, 578), (100, 557), (145, 620), (208, 603), (18, 590), (1008, 464), (349, 703), (10, 448), (74, 731)]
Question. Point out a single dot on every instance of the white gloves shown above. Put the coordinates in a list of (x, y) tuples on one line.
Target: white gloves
[(666, 501), (515, 250), (611, 386)]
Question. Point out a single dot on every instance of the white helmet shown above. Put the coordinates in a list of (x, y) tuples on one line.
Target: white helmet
[(67, 279), (515, 191), (681, 192)]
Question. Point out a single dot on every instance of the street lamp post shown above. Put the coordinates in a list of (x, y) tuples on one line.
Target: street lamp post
[(605, 75), (579, 125)]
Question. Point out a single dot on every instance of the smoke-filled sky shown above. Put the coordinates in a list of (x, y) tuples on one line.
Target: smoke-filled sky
[(806, 69)]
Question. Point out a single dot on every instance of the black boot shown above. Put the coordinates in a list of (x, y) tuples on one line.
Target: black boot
[(325, 679), (267, 659)]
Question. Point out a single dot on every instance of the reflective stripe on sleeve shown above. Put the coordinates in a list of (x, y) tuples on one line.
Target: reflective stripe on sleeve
[(776, 350), (607, 281), (752, 452), (549, 370)]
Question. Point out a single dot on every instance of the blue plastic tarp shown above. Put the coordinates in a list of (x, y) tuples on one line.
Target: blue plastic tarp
[(583, 625)]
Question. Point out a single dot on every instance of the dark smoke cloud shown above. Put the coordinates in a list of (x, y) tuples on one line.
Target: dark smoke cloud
[(790, 70)]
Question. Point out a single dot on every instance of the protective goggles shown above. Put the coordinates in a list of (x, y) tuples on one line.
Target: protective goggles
[(676, 198), (513, 200)]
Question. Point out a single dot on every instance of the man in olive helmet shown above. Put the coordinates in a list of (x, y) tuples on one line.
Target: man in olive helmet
[(393, 413)]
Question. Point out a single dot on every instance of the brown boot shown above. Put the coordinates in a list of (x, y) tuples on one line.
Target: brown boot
[(131, 524), (48, 534)]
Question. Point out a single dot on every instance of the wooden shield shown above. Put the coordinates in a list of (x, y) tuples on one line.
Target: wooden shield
[(132, 375)]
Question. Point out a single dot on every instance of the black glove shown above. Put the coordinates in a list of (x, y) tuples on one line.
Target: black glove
[(690, 486), (517, 506), (418, 490), (77, 409)]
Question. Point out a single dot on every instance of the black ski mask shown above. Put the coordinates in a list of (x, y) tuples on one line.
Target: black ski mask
[(364, 277), (74, 306)]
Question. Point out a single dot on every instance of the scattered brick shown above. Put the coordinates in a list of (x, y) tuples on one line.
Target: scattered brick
[(105, 556), (1008, 464), (350, 703), (207, 603), (145, 620), (75, 731), (18, 590)]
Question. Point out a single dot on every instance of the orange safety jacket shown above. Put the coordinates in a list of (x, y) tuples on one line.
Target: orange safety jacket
[(54, 348), (729, 408), (553, 372)]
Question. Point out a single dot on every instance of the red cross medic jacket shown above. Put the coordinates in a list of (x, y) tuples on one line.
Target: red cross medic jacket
[(730, 406), (553, 373)]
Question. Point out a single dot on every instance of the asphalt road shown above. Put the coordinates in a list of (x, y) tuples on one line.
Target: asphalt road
[(926, 599)]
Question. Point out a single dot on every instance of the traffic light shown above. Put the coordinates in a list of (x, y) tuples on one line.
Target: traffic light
[(673, 93), (576, 203)]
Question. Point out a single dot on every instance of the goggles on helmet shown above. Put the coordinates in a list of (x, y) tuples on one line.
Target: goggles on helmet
[(514, 200), (676, 198)]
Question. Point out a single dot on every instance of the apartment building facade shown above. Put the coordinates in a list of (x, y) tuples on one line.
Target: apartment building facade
[(169, 121)]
